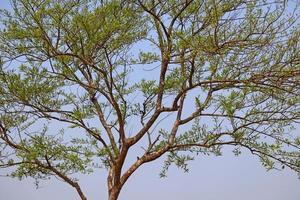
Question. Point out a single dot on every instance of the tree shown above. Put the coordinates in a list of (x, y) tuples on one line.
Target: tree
[(108, 73)]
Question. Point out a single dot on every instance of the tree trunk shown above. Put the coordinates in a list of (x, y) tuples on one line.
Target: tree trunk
[(114, 193)]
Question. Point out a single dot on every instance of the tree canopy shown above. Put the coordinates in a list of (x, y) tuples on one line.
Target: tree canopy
[(84, 81)]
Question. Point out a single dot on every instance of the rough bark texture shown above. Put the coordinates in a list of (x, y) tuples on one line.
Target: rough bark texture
[(114, 194)]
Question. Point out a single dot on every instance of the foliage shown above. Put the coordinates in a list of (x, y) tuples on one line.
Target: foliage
[(179, 78)]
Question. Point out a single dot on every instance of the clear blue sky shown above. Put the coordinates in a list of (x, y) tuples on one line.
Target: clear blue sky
[(210, 178)]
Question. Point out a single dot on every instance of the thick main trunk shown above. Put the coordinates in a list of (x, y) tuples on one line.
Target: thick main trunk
[(114, 194), (113, 188), (114, 175)]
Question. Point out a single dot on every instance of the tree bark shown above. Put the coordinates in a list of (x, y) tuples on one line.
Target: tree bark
[(113, 194), (114, 186)]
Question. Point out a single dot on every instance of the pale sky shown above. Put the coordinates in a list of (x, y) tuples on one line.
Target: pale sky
[(210, 178)]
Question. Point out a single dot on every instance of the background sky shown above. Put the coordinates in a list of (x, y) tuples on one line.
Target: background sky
[(210, 178)]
